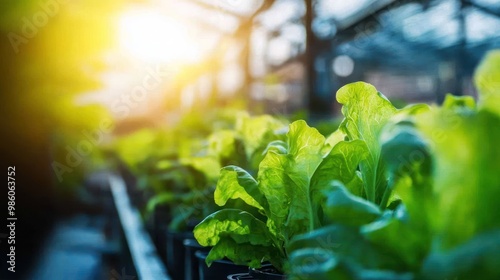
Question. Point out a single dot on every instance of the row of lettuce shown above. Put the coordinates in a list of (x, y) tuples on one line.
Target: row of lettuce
[(407, 193)]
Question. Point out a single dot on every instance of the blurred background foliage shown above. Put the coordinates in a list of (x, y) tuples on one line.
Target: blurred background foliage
[(40, 76)]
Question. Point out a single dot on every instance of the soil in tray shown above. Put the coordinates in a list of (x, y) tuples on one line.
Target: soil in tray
[(219, 269)]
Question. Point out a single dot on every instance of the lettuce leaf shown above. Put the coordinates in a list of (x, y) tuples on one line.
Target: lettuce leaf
[(236, 183), (284, 179), (238, 225), (284, 192), (366, 111), (345, 208)]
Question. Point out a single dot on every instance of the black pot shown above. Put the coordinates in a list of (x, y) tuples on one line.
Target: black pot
[(130, 183), (240, 276), (266, 272), (139, 197), (134, 193), (191, 262), (219, 269), (176, 253), (160, 217)]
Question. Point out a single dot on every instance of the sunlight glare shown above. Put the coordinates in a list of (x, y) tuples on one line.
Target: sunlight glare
[(150, 36)]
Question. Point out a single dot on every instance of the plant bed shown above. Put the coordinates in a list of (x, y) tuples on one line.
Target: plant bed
[(176, 252), (191, 262), (159, 217), (218, 269)]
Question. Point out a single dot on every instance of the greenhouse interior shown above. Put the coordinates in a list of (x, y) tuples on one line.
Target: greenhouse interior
[(250, 139)]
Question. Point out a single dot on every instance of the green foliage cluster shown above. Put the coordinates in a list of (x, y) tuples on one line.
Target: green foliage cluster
[(180, 165), (391, 194)]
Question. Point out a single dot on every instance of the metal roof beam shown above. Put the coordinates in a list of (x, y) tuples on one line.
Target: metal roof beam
[(482, 8)]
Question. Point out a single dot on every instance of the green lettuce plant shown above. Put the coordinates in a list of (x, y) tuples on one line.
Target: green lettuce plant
[(366, 112), (288, 192), (441, 165), (359, 223)]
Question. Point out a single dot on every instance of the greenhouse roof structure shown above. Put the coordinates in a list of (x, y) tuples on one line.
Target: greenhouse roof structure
[(439, 27), (377, 25), (399, 36)]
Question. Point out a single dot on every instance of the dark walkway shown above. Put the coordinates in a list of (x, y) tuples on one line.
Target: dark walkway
[(86, 245), (78, 249), (104, 239)]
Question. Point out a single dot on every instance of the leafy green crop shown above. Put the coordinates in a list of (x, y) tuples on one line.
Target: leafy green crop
[(288, 191), (282, 192), (189, 180), (365, 240), (441, 166), (405, 193), (296, 177)]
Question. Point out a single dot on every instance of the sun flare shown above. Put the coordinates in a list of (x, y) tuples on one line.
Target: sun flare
[(150, 36)]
